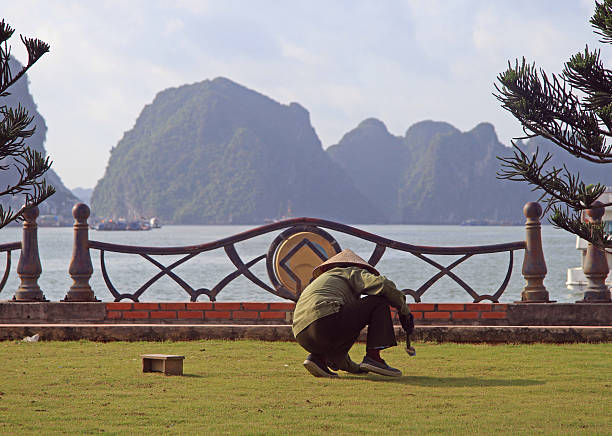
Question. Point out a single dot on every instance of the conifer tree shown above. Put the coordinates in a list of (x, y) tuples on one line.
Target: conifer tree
[(574, 111), (27, 164)]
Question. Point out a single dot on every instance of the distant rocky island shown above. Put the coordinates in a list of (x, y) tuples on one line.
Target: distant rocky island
[(215, 152), (434, 174), (59, 205), (83, 194)]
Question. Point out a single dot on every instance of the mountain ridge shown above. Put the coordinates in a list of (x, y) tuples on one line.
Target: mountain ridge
[(218, 152)]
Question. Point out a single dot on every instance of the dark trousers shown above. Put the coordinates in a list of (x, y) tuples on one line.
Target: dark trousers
[(334, 335)]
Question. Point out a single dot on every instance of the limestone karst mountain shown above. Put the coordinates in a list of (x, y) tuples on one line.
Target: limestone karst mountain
[(83, 194), (63, 200), (217, 152), (435, 174), (376, 161), (454, 179)]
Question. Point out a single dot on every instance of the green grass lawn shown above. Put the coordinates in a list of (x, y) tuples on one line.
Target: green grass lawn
[(251, 387)]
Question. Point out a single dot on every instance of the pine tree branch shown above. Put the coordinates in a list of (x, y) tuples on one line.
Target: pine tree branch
[(586, 72), (15, 127), (545, 107), (41, 192), (573, 223), (30, 166), (549, 108), (602, 21), (6, 31), (35, 49), (8, 215), (559, 184)]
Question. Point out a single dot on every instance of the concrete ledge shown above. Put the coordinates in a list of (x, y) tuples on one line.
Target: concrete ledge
[(541, 314), (51, 312), (145, 332), (157, 332)]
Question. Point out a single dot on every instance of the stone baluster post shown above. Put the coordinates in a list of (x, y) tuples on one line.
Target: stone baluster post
[(595, 265), (29, 268), (80, 269), (534, 265)]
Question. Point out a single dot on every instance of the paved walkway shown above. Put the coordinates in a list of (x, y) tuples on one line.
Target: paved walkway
[(182, 332)]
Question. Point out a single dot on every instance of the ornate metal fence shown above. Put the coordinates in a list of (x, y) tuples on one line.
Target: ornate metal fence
[(8, 248), (302, 244), (289, 260)]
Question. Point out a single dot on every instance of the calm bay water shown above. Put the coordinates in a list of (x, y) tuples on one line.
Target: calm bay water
[(484, 273)]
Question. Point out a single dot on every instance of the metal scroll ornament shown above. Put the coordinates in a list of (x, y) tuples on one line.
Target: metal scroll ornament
[(295, 253)]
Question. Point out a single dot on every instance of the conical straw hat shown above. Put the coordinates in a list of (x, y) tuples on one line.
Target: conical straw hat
[(343, 259)]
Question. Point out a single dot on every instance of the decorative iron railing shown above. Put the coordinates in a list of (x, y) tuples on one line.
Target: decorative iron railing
[(8, 248), (302, 244), (302, 240)]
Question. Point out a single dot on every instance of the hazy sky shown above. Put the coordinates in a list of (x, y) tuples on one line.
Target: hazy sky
[(344, 61)]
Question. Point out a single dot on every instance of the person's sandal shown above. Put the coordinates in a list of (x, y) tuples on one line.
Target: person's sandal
[(377, 367), (318, 368)]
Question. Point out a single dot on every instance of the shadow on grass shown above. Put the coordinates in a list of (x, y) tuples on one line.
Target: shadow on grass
[(454, 382)]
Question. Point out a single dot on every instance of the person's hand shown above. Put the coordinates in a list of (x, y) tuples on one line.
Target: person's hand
[(407, 322)]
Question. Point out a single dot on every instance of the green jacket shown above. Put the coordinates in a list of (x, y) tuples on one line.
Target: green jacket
[(332, 289)]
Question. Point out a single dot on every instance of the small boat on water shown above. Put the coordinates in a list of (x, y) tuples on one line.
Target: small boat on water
[(576, 279), (121, 224)]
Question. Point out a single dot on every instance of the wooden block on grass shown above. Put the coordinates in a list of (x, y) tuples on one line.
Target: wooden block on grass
[(169, 364)]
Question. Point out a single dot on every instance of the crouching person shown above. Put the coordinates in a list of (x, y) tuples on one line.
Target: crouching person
[(331, 313)]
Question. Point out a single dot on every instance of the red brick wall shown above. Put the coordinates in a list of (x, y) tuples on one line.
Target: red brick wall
[(220, 313), (281, 313), (458, 313)]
